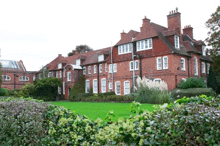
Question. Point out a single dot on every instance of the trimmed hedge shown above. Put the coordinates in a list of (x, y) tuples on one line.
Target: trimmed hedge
[(3, 92), (192, 83), (179, 93)]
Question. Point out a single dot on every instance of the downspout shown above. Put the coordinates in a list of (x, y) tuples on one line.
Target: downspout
[(188, 65), (140, 65), (97, 77)]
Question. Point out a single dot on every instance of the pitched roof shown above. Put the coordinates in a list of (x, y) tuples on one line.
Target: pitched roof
[(205, 58), (12, 65), (128, 38), (190, 48)]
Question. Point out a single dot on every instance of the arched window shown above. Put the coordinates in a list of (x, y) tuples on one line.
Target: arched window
[(23, 78), (195, 66), (157, 80), (183, 79), (6, 78)]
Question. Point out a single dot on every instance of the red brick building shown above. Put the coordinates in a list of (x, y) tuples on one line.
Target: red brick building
[(14, 74), (159, 53)]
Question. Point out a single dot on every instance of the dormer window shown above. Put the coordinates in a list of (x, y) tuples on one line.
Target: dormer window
[(203, 51), (59, 65), (144, 44), (176, 41), (78, 62), (101, 58), (126, 48)]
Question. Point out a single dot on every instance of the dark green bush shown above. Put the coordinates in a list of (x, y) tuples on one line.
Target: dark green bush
[(47, 87), (27, 90), (212, 81), (3, 92), (78, 87), (106, 94), (179, 93), (153, 95), (192, 83)]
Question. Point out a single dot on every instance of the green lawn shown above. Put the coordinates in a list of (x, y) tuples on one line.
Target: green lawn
[(99, 110)]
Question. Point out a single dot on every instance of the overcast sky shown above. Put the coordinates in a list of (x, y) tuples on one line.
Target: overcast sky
[(36, 31)]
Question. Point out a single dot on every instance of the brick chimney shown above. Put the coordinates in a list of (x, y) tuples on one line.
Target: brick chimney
[(146, 23), (59, 55), (188, 30), (123, 34)]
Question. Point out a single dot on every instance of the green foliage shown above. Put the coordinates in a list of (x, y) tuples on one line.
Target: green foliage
[(27, 90), (212, 82), (192, 83), (153, 95), (80, 49), (47, 88), (78, 88), (22, 122), (3, 92), (179, 93)]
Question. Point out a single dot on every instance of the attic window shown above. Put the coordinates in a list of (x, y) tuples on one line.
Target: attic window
[(126, 48), (78, 62), (203, 50), (176, 41), (144, 44), (101, 58), (59, 65)]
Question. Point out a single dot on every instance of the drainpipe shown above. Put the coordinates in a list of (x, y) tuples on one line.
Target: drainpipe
[(140, 65)]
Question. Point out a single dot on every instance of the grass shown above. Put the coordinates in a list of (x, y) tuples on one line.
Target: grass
[(99, 110)]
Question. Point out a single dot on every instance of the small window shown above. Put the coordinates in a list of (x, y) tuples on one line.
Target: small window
[(126, 48), (176, 39), (94, 69), (136, 65), (203, 50), (157, 80), (118, 88), (126, 87), (103, 82), (56, 74), (110, 68), (119, 49), (95, 89), (87, 86), (159, 64), (208, 66), (78, 61), (183, 79), (64, 88), (23, 78), (50, 74), (59, 90), (6, 78), (100, 68), (84, 70), (183, 64), (89, 70), (69, 76), (60, 74), (101, 58), (195, 66), (144, 44), (110, 86), (165, 62), (106, 67), (131, 65), (59, 65), (203, 67), (115, 67), (34, 78)]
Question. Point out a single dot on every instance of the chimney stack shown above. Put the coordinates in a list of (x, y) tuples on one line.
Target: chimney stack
[(123, 34), (188, 30), (146, 23)]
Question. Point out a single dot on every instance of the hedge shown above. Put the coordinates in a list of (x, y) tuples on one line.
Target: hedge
[(179, 93)]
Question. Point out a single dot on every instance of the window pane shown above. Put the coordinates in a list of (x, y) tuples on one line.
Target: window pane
[(131, 65), (136, 65), (150, 43), (146, 44), (130, 47)]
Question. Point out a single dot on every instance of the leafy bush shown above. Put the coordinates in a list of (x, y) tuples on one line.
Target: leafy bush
[(106, 94), (212, 81), (47, 87), (153, 95), (3, 92), (179, 93), (27, 90), (192, 83), (22, 122), (78, 88)]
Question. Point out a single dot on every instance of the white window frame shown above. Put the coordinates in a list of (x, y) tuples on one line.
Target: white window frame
[(87, 88), (110, 68), (115, 67), (116, 88), (95, 90), (203, 50), (101, 58), (102, 85), (78, 62), (110, 86), (49, 74), (184, 64), (89, 70), (6, 78), (34, 78), (157, 79), (84, 70), (60, 73), (106, 69), (23, 78), (130, 65), (63, 88), (59, 90), (165, 67), (208, 67), (159, 68), (135, 66), (195, 66), (144, 44), (69, 76), (127, 91), (176, 41), (125, 48), (203, 67), (183, 79), (94, 69), (100, 68), (56, 74), (59, 65)]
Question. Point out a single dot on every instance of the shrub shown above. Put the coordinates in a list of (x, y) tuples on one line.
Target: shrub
[(179, 93), (153, 95), (47, 87), (3, 92), (78, 87), (22, 122), (192, 83), (212, 81), (27, 90)]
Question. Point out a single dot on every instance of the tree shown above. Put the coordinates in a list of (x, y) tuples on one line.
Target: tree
[(213, 24), (212, 83), (80, 49)]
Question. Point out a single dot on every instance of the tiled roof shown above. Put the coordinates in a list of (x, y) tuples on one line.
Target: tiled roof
[(128, 38), (206, 58), (148, 32), (190, 48), (199, 42), (169, 32)]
